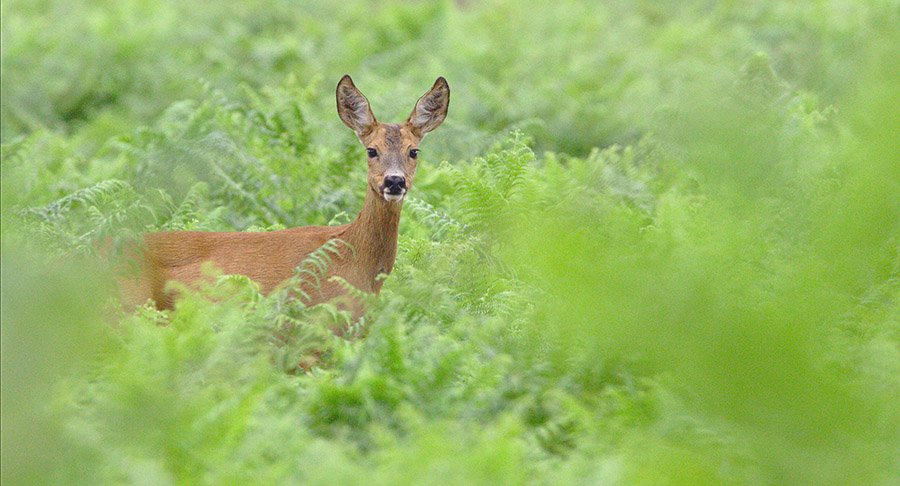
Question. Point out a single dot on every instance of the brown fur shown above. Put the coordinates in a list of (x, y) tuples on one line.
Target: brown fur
[(270, 258)]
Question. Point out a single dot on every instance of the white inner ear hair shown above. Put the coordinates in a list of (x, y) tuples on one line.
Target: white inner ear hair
[(428, 108), (355, 107)]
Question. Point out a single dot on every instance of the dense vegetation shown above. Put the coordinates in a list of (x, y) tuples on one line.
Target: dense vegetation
[(653, 243)]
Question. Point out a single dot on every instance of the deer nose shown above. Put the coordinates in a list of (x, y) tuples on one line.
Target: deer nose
[(394, 184)]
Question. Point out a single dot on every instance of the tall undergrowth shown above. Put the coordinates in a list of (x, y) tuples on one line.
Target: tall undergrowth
[(672, 261)]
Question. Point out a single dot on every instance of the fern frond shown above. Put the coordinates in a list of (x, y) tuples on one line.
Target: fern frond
[(353, 291), (189, 209), (309, 273), (96, 194), (441, 223)]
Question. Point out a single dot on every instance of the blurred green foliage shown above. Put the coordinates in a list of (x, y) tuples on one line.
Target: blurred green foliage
[(653, 243)]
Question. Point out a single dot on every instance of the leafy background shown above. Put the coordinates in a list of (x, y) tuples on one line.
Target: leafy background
[(653, 243)]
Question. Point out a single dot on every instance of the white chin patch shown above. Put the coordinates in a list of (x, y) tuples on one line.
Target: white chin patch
[(394, 197)]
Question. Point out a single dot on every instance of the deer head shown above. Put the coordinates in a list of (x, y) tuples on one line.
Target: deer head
[(392, 149)]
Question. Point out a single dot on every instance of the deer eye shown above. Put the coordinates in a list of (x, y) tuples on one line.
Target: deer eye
[(372, 152), (414, 153)]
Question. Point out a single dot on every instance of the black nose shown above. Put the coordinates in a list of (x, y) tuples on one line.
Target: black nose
[(394, 184)]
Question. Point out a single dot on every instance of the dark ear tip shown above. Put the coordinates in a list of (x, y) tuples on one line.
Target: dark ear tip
[(345, 79), (440, 81)]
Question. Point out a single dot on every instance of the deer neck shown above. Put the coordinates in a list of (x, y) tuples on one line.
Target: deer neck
[(374, 236)]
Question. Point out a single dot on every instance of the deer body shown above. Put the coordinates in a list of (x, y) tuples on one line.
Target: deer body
[(270, 258)]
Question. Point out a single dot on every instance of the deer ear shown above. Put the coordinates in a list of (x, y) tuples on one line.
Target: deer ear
[(353, 107), (431, 109)]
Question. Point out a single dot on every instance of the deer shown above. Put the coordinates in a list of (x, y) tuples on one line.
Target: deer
[(270, 258)]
